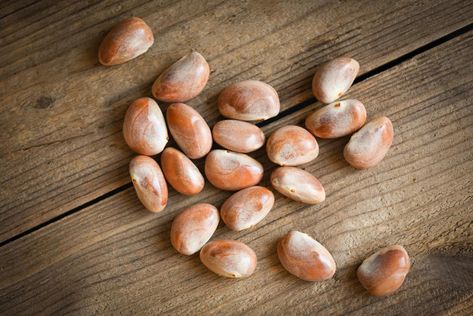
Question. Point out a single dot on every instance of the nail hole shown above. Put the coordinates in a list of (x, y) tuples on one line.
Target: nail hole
[(44, 102)]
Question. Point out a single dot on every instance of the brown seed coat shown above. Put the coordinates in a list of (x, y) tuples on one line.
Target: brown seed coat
[(144, 128), (247, 207), (292, 146), (249, 100), (149, 183), (189, 130), (126, 40), (238, 136), (193, 227), (369, 145), (333, 79), (229, 258), (231, 171), (383, 272), (181, 173), (183, 80), (298, 185), (305, 257), (337, 119)]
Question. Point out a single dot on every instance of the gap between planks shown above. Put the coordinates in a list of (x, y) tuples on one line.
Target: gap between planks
[(282, 114)]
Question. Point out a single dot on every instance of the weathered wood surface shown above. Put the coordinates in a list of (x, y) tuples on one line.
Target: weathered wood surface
[(116, 257), (61, 112)]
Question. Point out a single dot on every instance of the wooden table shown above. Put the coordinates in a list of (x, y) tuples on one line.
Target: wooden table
[(74, 237)]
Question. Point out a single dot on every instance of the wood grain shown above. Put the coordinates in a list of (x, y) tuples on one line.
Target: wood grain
[(61, 112), (115, 257)]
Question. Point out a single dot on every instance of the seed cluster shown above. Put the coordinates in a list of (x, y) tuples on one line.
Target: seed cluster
[(146, 132)]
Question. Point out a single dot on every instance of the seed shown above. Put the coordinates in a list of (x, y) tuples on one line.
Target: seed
[(193, 227), (247, 207), (181, 173), (231, 171), (189, 130), (332, 79), (144, 128), (305, 257), (149, 183), (383, 272), (291, 146), (249, 100), (337, 119), (369, 145), (238, 136), (183, 80), (126, 40), (298, 185), (229, 258)]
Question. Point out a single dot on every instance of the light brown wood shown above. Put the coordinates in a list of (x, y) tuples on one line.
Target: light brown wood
[(116, 257), (62, 112)]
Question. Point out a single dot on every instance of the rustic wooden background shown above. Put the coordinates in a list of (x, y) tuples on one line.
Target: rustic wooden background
[(75, 239)]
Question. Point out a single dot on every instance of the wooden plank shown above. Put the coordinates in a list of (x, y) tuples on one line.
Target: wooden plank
[(61, 113), (116, 257), (9, 8)]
